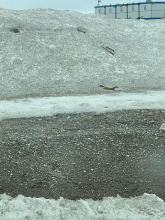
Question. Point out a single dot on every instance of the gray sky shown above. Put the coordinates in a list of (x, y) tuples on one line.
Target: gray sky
[(84, 6)]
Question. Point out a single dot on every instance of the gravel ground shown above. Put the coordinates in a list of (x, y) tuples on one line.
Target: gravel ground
[(88, 155)]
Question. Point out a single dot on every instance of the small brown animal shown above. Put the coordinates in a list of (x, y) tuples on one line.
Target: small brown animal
[(107, 88)]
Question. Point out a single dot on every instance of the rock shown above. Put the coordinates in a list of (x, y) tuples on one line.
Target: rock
[(162, 128)]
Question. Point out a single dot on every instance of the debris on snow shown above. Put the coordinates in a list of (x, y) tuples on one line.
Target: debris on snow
[(15, 30), (110, 50), (82, 29)]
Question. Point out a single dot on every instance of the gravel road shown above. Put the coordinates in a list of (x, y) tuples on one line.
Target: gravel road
[(88, 155)]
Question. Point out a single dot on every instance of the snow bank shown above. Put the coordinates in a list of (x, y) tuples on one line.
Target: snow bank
[(35, 107), (22, 208), (50, 57)]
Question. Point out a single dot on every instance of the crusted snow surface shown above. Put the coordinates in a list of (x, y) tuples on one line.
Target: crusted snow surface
[(22, 208), (50, 57)]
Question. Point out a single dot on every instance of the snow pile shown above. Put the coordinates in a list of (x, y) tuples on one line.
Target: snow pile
[(21, 208), (44, 54)]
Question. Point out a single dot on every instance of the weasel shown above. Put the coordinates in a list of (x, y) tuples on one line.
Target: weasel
[(107, 88)]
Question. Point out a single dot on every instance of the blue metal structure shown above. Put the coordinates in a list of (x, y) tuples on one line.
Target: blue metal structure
[(141, 10)]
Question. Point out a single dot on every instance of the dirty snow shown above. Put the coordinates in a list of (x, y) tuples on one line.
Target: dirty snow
[(139, 208), (50, 67)]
